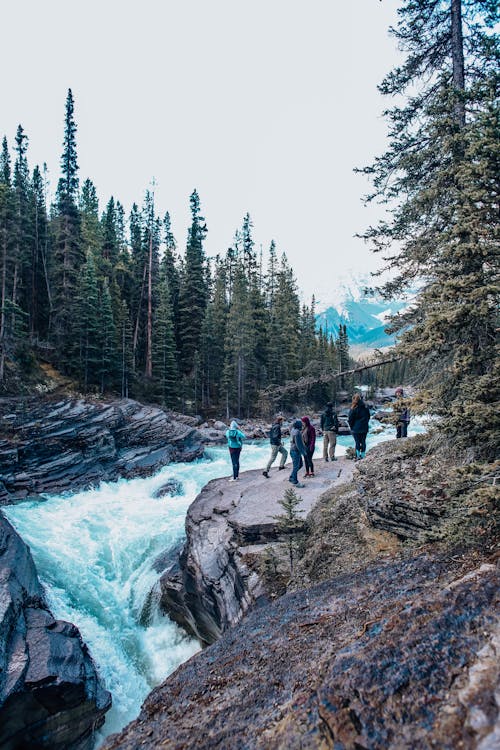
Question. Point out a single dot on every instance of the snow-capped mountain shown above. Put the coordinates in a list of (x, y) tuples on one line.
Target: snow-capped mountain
[(364, 316)]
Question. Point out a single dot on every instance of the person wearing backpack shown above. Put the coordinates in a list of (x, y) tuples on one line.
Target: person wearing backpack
[(235, 439), (359, 418), (330, 426), (276, 446)]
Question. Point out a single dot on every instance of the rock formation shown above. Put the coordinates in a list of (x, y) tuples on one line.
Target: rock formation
[(50, 694), (48, 446), (214, 581), (402, 655)]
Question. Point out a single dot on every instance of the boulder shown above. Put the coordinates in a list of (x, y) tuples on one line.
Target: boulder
[(50, 693)]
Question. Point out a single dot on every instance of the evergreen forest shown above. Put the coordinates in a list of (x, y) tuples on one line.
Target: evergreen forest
[(111, 301)]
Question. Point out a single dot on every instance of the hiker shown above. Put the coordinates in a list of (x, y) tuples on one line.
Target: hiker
[(297, 451), (309, 440), (359, 416), (330, 427), (276, 446), (235, 439), (401, 414)]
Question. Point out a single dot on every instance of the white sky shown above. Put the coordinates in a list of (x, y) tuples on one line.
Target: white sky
[(264, 106)]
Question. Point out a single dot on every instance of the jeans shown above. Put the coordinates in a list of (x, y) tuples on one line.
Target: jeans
[(275, 449), (296, 465), (235, 458), (402, 429), (309, 462), (360, 440), (329, 443)]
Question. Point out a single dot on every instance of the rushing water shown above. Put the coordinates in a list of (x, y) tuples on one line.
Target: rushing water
[(94, 552)]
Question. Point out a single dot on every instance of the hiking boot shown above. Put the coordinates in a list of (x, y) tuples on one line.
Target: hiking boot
[(326, 458), (299, 485), (333, 459), (280, 468), (265, 474)]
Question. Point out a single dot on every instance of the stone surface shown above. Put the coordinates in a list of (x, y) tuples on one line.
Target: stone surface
[(50, 694), (212, 585), (404, 494), (55, 446), (403, 655)]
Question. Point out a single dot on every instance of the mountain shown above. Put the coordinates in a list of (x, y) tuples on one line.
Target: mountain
[(364, 316)]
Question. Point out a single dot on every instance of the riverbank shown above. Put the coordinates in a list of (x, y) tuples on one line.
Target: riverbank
[(230, 528), (385, 640)]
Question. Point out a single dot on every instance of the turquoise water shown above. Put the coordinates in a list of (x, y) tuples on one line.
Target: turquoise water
[(94, 552)]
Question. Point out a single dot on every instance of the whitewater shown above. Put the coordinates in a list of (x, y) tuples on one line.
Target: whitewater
[(94, 552)]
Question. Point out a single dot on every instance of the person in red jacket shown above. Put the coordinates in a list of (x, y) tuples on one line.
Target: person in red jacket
[(309, 440)]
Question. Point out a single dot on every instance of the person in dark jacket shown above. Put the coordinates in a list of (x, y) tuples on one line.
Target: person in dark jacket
[(401, 414), (359, 417), (276, 446), (297, 451), (330, 426), (309, 440)]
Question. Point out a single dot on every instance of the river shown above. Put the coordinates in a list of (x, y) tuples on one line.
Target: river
[(94, 552)]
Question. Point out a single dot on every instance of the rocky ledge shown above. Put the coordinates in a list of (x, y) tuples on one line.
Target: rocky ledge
[(50, 693), (402, 655), (54, 446), (214, 580)]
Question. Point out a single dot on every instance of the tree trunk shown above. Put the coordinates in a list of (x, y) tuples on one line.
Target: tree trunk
[(457, 54)]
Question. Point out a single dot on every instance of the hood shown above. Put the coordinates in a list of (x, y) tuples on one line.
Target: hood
[(233, 425), (297, 424)]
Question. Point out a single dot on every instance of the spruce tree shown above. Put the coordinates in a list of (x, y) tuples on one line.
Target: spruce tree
[(440, 175), (68, 252), (193, 294), (86, 327)]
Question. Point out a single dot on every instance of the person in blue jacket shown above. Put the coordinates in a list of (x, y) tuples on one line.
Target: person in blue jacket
[(235, 439), (359, 417)]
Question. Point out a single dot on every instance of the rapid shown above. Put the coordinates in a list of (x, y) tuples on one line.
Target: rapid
[(94, 552)]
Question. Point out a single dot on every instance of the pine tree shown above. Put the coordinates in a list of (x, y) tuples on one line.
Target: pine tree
[(68, 253), (7, 219), (41, 299), (441, 175), (86, 326), (291, 524), (193, 294), (107, 340), (164, 352)]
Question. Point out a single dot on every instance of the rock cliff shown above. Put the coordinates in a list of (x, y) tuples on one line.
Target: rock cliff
[(214, 581), (402, 655), (54, 446), (396, 648), (50, 694)]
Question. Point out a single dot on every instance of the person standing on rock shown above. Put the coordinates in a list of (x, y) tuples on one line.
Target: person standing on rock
[(235, 439), (276, 446), (330, 427), (309, 440), (401, 414), (359, 417), (297, 451)]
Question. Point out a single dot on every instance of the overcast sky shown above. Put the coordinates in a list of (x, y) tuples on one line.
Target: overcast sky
[(264, 106)]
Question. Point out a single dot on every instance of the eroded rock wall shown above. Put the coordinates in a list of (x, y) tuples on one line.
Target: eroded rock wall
[(52, 447), (50, 693)]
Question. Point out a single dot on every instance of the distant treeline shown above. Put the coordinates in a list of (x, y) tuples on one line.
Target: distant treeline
[(109, 301)]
